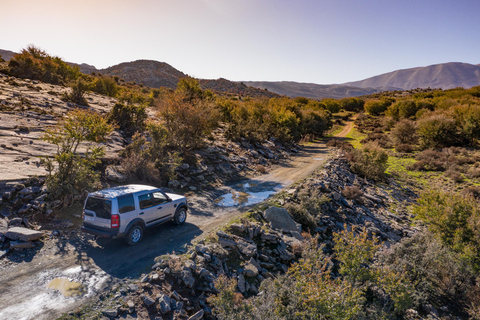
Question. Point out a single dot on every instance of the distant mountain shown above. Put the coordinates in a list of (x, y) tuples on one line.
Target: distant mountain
[(151, 73), (156, 74), (234, 88), (7, 54), (312, 90), (445, 75)]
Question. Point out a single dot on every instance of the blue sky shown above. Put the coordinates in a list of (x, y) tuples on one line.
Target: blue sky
[(318, 41)]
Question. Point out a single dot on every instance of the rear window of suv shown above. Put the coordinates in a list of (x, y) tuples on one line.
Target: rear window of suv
[(125, 203), (101, 207)]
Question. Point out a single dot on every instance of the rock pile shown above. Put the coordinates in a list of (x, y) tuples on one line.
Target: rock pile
[(224, 160)]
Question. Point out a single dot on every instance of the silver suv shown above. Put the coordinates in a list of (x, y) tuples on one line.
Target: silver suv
[(126, 211)]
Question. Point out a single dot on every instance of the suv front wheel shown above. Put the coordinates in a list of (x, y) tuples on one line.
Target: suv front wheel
[(180, 216), (135, 235)]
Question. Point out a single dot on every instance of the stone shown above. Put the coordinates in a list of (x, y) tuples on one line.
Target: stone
[(23, 234), (251, 270), (147, 300), (226, 243), (22, 245), (25, 208), (114, 173), (29, 190), (3, 227), (187, 278), (280, 219), (3, 253), (247, 249), (164, 302), (111, 313), (241, 283), (130, 304), (197, 316)]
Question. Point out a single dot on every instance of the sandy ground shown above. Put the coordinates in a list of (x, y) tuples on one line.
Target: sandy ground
[(99, 264)]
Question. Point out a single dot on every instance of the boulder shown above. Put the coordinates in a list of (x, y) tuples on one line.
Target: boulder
[(280, 219), (147, 300), (113, 173), (241, 283), (187, 278), (23, 234), (164, 302)]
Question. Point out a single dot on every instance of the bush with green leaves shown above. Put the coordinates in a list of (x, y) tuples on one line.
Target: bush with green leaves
[(377, 107), (34, 63), (402, 109), (404, 132), (153, 160), (437, 273), (453, 218), (436, 130), (369, 162), (71, 171), (77, 93), (352, 104), (129, 118)]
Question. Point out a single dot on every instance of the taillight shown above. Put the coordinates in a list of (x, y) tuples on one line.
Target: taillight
[(115, 221)]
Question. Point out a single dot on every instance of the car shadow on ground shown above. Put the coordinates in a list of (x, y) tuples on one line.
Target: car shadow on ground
[(116, 258)]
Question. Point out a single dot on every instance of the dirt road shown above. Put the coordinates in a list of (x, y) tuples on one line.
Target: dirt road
[(99, 264)]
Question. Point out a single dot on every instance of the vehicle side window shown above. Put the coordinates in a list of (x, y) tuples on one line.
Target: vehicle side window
[(125, 203), (146, 201), (159, 198)]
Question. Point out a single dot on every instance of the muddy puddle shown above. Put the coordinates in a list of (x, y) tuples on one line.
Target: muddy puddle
[(66, 287), (245, 194)]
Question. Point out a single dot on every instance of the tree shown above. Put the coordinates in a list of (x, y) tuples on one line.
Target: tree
[(352, 104), (71, 170)]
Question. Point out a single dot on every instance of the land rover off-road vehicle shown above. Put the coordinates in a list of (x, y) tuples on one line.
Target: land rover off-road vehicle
[(126, 211)]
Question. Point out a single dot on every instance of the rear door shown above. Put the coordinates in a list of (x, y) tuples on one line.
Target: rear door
[(154, 207), (98, 212)]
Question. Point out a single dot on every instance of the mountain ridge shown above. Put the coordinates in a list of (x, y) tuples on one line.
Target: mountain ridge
[(157, 74)]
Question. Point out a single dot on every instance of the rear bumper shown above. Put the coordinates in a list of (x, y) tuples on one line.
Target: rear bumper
[(101, 232)]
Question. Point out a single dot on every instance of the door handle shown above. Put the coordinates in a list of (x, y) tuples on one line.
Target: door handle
[(141, 213), (159, 208)]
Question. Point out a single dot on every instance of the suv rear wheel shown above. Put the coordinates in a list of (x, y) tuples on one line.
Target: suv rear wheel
[(180, 216), (135, 235)]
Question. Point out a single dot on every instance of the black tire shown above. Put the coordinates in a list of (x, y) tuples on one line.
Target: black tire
[(135, 235), (180, 216)]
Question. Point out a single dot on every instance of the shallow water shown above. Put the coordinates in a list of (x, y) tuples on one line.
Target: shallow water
[(245, 194), (66, 287)]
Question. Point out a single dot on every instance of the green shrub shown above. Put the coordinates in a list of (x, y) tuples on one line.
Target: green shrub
[(437, 130), (437, 273), (455, 220), (129, 118), (369, 162), (72, 172), (376, 107), (404, 132), (34, 63), (106, 86), (77, 94), (352, 104), (331, 105)]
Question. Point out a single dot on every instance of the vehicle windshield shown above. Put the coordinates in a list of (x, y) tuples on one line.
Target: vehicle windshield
[(101, 207)]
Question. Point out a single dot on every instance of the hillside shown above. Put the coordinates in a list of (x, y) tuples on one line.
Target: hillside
[(151, 73), (6, 54), (444, 75), (311, 90)]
